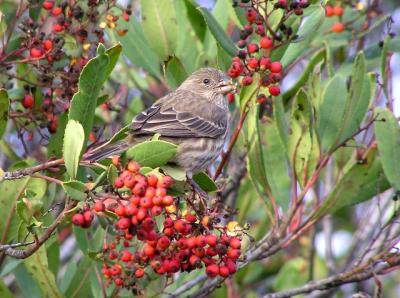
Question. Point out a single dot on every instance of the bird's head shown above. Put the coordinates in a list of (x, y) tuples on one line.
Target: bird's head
[(208, 82)]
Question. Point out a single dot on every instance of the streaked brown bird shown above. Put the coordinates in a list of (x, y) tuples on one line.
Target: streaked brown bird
[(194, 117)]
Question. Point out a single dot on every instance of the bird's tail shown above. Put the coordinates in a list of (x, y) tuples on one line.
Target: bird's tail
[(108, 150)]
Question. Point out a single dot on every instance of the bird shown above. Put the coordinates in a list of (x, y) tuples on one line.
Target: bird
[(194, 117)]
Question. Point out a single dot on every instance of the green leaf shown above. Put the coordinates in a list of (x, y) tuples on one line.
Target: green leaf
[(306, 33), (152, 153), (4, 291), (159, 23), (113, 53), (79, 286), (74, 139), (196, 19), (91, 80), (112, 174), (137, 49), (387, 133), (4, 106), (362, 181), (220, 36), (255, 161), (205, 182), (11, 190), (37, 266), (329, 115), (54, 149), (357, 102), (315, 59), (292, 274), (175, 73), (248, 93), (76, 190), (303, 144), (384, 64), (275, 162)]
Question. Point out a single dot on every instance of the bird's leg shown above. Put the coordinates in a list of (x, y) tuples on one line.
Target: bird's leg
[(196, 188)]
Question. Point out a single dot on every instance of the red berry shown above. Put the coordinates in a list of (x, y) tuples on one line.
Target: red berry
[(247, 80), (338, 11), (149, 251), (146, 202), (180, 226), (212, 270), (167, 201), (139, 273), (119, 182), (274, 90), (231, 266), (48, 5), (230, 97), (35, 53), (148, 224), (129, 181), (235, 243), (133, 167), (329, 11), (266, 43), (152, 180), (58, 27), (120, 210), (56, 11), (233, 73), (88, 216), (168, 222), (251, 15), (28, 101), (261, 98), (337, 27), (252, 48), (233, 253), (211, 239), (150, 192), (276, 67), (126, 256), (224, 271), (78, 219), (190, 218), (123, 223), (48, 45), (118, 282), (165, 182), (163, 243), (139, 189), (265, 63), (195, 261), (252, 63)]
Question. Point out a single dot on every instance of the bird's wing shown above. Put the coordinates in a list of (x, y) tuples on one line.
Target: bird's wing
[(172, 120)]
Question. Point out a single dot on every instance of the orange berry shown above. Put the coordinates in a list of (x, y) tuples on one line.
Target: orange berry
[(338, 11), (337, 27), (329, 11)]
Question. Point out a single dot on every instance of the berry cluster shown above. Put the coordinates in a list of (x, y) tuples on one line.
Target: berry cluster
[(256, 42), (331, 11), (156, 232), (56, 46)]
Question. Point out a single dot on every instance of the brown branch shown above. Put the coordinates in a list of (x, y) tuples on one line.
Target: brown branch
[(32, 248), (29, 171), (335, 281)]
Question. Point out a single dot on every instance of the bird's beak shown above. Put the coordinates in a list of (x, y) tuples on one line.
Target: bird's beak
[(225, 87)]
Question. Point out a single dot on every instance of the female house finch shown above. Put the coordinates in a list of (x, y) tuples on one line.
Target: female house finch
[(194, 117)]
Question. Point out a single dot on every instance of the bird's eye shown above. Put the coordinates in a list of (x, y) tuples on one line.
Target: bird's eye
[(206, 81)]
